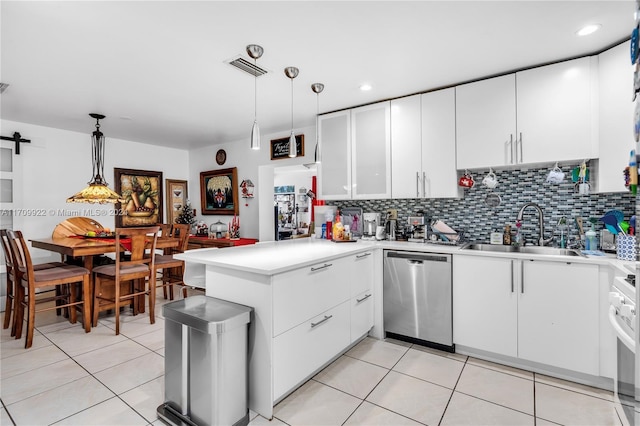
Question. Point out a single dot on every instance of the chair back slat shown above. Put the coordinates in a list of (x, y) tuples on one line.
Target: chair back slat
[(181, 231), (20, 252), (142, 239), (6, 250)]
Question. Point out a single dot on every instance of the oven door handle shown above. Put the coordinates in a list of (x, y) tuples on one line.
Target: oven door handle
[(622, 335)]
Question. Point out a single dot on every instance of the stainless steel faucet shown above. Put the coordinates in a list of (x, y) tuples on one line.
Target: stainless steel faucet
[(541, 240)]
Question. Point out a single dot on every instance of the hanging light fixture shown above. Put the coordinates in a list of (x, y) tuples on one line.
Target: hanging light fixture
[(317, 89), (292, 72), (255, 52), (98, 190)]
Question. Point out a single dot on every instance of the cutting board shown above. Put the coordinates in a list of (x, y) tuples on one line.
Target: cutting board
[(75, 226)]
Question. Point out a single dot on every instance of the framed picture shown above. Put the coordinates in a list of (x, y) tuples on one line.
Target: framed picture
[(142, 191), (219, 192), (176, 197), (280, 147)]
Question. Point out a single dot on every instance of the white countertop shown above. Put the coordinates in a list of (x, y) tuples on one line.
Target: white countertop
[(274, 257)]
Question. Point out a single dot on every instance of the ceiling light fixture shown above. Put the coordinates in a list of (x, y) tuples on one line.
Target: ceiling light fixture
[(98, 190), (588, 29), (255, 52), (292, 72), (317, 89), (365, 87)]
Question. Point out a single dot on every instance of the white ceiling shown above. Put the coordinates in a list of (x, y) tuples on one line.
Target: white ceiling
[(157, 69)]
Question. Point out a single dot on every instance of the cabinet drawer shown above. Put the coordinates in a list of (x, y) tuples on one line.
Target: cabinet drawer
[(299, 352), (361, 314), (361, 272), (306, 292)]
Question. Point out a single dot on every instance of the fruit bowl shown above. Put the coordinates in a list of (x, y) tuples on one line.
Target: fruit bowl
[(140, 213), (100, 235)]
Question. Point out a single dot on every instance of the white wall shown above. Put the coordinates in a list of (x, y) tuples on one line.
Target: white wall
[(57, 164), (247, 161)]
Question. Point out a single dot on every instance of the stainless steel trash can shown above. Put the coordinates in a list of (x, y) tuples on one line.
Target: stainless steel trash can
[(205, 359)]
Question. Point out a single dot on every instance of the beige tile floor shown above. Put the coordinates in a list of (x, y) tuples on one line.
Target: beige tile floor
[(72, 378)]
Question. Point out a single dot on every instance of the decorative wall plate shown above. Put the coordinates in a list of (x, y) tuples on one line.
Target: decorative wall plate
[(221, 157)]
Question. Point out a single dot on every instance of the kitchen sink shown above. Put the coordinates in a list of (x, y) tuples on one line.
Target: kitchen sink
[(551, 251)]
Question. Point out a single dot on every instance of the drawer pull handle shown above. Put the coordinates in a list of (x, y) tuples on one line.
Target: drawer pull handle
[(326, 318), (360, 256), (326, 265), (363, 299)]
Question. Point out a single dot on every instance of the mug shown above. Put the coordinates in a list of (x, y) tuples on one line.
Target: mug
[(490, 180), (466, 181), (555, 176), (582, 188)]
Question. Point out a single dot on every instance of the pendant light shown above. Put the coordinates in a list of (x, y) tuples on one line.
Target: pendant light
[(255, 52), (98, 190), (317, 89), (292, 72)]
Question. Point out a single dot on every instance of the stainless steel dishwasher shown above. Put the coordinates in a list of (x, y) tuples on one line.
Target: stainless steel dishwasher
[(417, 298)]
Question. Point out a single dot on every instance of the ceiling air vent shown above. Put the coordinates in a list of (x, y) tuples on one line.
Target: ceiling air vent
[(3, 87), (246, 66)]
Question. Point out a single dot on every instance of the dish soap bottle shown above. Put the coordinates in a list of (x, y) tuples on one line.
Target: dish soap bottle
[(517, 239), (338, 228), (591, 241)]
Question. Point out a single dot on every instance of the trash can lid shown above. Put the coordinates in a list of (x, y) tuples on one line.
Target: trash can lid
[(208, 314)]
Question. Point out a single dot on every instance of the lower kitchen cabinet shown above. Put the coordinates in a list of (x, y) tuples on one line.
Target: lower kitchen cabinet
[(539, 311), (361, 285), (307, 347)]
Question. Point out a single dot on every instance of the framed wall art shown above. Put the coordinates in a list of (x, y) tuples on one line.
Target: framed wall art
[(219, 192), (280, 147), (142, 191), (176, 197)]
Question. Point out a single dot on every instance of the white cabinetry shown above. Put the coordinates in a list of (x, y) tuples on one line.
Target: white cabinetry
[(355, 149), (423, 149), (615, 76), (361, 284), (545, 312), (543, 114)]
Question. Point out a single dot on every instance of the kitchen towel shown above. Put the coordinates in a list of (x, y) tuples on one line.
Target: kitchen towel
[(626, 247)]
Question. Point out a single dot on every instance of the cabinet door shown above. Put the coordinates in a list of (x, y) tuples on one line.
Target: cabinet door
[(406, 148), (361, 272), (371, 150), (334, 173), (558, 315), (361, 314), (440, 178), (486, 123), (555, 112), (485, 304), (615, 76)]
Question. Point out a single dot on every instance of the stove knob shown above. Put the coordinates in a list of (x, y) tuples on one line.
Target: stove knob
[(627, 311), (616, 299)]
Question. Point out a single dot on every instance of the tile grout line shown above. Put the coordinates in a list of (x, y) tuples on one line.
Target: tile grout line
[(453, 392)]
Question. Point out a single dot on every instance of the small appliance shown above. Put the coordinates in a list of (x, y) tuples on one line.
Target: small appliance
[(416, 229), (370, 221), (607, 241)]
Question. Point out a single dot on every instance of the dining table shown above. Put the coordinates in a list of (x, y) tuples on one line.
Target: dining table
[(87, 247)]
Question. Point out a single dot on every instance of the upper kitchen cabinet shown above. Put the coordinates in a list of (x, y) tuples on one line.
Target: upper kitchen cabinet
[(544, 114), (423, 146), (334, 173), (371, 151), (486, 123), (615, 76), (355, 149), (557, 112)]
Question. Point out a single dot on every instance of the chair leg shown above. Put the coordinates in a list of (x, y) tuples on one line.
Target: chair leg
[(86, 304), (18, 320), (152, 298), (71, 297), (9, 303), (117, 307), (96, 303), (31, 319)]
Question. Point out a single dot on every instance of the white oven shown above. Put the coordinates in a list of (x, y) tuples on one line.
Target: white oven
[(622, 316)]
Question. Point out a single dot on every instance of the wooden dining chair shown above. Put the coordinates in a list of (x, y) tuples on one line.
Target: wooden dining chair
[(125, 281), (13, 276), (172, 269), (31, 278)]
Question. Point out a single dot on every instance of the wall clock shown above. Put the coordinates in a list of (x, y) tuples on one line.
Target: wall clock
[(221, 157)]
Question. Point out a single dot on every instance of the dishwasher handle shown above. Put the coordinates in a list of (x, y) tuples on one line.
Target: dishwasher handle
[(418, 257)]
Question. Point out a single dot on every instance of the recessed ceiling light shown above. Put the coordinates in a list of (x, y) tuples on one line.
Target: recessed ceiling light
[(588, 29), (365, 87)]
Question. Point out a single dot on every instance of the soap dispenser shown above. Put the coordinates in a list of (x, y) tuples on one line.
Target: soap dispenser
[(591, 241)]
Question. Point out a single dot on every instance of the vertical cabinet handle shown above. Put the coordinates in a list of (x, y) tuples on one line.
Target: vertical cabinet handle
[(512, 277), (424, 185), (417, 184), (519, 143), (509, 143), (522, 278), (326, 318)]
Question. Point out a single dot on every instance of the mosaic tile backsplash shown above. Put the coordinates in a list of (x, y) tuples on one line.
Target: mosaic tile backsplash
[(516, 188)]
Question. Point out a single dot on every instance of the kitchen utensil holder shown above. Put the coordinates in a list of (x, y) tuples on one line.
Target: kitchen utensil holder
[(626, 247)]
